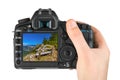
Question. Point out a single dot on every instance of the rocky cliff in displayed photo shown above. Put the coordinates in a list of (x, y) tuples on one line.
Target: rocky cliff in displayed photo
[(40, 47)]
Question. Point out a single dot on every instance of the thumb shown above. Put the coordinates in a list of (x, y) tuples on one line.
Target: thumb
[(76, 36)]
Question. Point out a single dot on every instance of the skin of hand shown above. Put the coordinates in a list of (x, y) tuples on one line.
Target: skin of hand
[(92, 63)]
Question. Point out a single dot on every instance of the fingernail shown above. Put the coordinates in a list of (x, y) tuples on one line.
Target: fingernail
[(72, 24)]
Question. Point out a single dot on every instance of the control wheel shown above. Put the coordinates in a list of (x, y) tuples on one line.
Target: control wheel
[(67, 53)]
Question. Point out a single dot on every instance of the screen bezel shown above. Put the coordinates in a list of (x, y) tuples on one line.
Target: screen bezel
[(35, 64)]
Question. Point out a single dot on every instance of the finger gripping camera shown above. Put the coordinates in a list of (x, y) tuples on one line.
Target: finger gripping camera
[(42, 42)]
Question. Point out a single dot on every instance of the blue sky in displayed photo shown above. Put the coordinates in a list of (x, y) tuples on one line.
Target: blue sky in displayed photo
[(34, 38)]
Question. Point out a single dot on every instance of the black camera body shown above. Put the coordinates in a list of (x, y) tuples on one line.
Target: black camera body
[(42, 42)]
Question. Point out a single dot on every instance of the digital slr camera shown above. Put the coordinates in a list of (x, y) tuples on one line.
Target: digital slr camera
[(42, 42)]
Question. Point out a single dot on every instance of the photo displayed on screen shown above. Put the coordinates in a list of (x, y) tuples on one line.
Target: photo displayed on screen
[(40, 46)]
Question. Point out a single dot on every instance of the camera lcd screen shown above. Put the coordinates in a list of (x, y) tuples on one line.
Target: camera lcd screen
[(40, 46)]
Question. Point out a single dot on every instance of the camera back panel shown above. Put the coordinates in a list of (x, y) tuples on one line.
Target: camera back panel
[(42, 42)]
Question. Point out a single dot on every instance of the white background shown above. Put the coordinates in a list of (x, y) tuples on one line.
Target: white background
[(103, 14)]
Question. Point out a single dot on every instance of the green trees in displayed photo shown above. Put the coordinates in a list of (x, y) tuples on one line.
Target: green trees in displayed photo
[(53, 40)]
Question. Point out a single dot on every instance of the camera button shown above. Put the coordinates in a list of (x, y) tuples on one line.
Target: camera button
[(18, 30), (23, 20), (17, 51), (17, 48), (64, 36), (88, 27), (18, 61), (17, 37), (84, 26), (17, 55), (18, 41), (67, 53), (18, 34), (17, 44)]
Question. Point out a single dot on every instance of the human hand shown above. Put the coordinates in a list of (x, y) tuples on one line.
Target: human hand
[(92, 63)]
